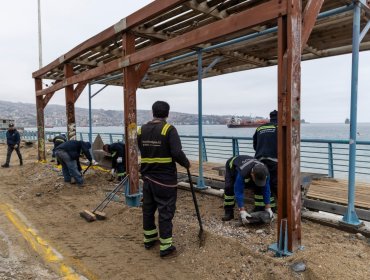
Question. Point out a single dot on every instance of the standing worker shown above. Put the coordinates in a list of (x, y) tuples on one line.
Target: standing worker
[(160, 148), (58, 140), (13, 139), (68, 155), (117, 151), (241, 172), (265, 145)]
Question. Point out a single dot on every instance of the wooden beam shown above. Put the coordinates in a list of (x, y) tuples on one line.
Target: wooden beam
[(40, 122), (70, 104), (47, 99), (78, 90), (237, 22), (310, 14)]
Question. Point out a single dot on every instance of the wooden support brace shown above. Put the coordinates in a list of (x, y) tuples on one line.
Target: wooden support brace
[(70, 105)]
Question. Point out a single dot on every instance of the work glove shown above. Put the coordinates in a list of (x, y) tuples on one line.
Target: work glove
[(244, 215), (15, 146), (271, 214), (119, 160), (94, 162), (113, 171)]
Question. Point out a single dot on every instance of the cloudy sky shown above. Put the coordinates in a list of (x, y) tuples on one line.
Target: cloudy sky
[(325, 82)]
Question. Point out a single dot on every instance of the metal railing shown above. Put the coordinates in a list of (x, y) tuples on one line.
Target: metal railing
[(324, 156)]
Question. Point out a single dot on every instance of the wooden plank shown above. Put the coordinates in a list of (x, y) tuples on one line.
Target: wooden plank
[(334, 208)]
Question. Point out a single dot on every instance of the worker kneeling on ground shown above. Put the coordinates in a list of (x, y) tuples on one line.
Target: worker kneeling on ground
[(117, 151), (160, 148), (68, 155), (246, 171)]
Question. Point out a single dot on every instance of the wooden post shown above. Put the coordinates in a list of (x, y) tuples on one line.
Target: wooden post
[(70, 104), (40, 122), (289, 84), (130, 115)]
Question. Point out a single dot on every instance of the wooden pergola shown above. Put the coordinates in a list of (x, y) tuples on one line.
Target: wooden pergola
[(259, 33)]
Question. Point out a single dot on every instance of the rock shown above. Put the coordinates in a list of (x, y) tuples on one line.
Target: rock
[(298, 267), (360, 236), (346, 235), (260, 231), (38, 194)]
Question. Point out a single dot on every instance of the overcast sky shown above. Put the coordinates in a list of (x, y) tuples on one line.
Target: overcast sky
[(325, 82)]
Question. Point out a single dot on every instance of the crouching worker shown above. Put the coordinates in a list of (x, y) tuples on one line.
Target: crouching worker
[(246, 171), (58, 140), (117, 151), (160, 148), (68, 155)]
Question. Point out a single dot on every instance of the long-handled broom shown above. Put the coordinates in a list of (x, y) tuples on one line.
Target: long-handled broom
[(98, 213), (201, 234)]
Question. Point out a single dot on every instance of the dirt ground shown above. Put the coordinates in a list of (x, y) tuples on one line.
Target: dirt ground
[(113, 249)]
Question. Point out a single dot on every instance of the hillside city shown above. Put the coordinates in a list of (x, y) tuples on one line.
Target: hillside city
[(24, 115)]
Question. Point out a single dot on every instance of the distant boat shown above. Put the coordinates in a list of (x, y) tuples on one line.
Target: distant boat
[(236, 122)]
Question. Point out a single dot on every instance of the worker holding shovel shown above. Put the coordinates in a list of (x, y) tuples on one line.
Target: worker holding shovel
[(160, 148)]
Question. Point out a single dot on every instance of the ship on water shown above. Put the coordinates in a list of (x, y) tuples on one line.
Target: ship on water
[(236, 122)]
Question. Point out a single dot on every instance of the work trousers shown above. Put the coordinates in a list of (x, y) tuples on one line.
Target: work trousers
[(69, 167), (163, 198), (10, 151)]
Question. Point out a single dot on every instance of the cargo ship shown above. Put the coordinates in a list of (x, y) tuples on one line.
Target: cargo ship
[(236, 122)]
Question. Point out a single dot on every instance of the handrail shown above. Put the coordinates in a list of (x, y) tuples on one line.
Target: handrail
[(325, 156)]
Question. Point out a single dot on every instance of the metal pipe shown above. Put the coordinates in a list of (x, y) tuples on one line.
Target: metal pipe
[(364, 31), (39, 30), (200, 183), (99, 91), (351, 217)]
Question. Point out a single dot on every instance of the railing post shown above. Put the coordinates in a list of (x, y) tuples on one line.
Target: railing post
[(200, 183), (235, 147), (350, 217), (111, 138), (81, 136), (330, 160)]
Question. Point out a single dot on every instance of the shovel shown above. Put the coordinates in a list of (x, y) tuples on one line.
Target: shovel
[(201, 234), (83, 173)]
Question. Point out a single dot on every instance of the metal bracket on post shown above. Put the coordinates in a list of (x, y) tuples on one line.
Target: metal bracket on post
[(281, 248), (132, 200)]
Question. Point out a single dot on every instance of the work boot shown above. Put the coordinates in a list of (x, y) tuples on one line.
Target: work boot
[(168, 253), (73, 181), (5, 165), (229, 215), (149, 245)]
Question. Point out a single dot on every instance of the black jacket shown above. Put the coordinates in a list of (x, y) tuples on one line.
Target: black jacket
[(13, 137), (265, 141), (160, 148), (117, 150), (74, 149)]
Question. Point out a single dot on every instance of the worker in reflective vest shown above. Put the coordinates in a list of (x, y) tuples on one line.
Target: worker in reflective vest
[(117, 151), (160, 148), (241, 172), (265, 145)]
